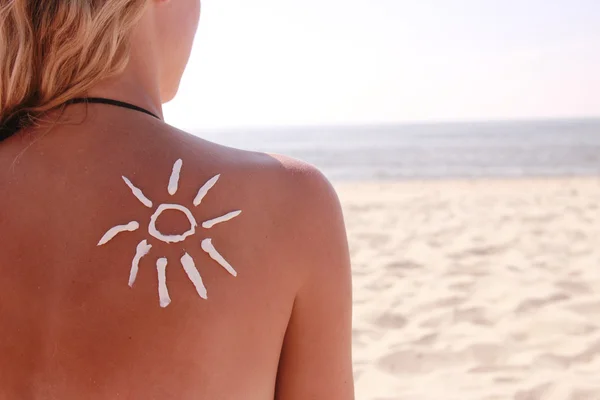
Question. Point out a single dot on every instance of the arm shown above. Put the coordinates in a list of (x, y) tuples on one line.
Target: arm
[(316, 360)]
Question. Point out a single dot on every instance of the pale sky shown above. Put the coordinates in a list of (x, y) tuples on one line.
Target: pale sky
[(307, 62)]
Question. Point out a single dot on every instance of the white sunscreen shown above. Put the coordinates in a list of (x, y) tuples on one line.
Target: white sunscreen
[(138, 193), (163, 292), (187, 262), (114, 231), (227, 217), (143, 248), (172, 238), (194, 275), (208, 247), (174, 181), (204, 190)]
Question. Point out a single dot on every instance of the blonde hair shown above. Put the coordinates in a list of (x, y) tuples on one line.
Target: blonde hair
[(54, 50)]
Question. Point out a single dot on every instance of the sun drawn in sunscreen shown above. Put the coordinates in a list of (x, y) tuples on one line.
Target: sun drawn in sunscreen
[(187, 262)]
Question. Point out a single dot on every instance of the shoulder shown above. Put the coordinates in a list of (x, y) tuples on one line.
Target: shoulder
[(294, 193), (299, 188), (306, 187), (283, 179)]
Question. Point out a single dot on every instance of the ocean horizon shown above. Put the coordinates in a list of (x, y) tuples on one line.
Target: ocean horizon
[(455, 150)]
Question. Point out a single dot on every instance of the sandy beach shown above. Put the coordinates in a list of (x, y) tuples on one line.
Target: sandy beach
[(476, 290)]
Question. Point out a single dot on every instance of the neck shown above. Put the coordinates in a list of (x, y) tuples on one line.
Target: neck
[(128, 92), (138, 84)]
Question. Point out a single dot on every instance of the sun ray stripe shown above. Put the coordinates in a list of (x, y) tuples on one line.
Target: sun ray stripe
[(205, 189), (115, 230), (163, 291), (190, 269), (208, 247), (138, 193), (224, 218), (143, 248), (174, 181)]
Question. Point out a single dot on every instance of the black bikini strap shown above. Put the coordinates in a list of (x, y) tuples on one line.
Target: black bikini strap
[(116, 103), (10, 127)]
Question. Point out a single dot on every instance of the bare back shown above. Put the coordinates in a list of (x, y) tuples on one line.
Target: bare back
[(72, 326)]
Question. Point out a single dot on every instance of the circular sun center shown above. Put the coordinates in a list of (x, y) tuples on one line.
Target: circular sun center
[(153, 230)]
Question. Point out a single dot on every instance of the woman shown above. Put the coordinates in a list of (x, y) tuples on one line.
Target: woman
[(127, 270)]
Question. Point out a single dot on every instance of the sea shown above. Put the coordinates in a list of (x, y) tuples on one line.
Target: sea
[(509, 149)]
